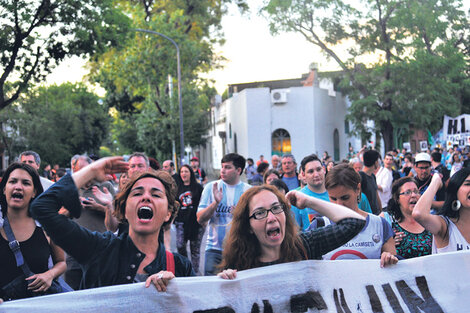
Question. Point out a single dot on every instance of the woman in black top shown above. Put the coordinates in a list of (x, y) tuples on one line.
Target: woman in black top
[(19, 186), (187, 227), (147, 202), (263, 231)]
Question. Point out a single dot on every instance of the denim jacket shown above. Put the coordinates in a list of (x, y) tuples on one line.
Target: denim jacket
[(105, 258)]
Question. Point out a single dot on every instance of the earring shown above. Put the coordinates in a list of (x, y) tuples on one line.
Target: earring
[(456, 205), (359, 198)]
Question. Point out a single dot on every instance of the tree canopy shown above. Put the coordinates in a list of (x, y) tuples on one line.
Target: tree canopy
[(56, 122), (138, 74), (403, 62), (37, 35)]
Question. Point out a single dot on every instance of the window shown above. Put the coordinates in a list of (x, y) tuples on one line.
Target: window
[(280, 141), (336, 144)]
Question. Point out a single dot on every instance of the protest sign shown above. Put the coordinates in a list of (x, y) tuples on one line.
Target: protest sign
[(436, 283)]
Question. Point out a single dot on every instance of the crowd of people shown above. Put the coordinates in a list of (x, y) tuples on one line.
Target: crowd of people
[(107, 221)]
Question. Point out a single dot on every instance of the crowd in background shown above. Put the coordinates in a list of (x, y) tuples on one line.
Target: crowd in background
[(369, 206)]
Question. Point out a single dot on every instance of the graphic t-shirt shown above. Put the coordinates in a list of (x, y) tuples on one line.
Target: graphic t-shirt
[(219, 222)]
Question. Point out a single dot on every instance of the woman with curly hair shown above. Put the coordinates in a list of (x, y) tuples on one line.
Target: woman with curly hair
[(411, 239), (263, 231), (451, 227), (148, 202)]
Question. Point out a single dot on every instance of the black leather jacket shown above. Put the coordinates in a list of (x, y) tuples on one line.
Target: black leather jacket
[(105, 258)]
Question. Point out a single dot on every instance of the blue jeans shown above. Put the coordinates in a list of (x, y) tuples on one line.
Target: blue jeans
[(212, 259)]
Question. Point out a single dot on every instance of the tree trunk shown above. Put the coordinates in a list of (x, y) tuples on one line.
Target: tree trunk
[(387, 135)]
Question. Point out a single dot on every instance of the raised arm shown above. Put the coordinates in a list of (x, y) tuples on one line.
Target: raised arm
[(422, 211), (205, 214), (334, 212), (77, 241)]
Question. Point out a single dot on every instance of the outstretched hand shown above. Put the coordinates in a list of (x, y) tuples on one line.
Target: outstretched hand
[(104, 197), (105, 167)]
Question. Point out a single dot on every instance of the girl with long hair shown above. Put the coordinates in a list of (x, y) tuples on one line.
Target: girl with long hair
[(263, 231), (187, 227), (451, 226), (20, 185)]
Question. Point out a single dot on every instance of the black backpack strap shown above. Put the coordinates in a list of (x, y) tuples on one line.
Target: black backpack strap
[(15, 248)]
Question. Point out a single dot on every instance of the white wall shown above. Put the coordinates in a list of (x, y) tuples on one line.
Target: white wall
[(310, 115)]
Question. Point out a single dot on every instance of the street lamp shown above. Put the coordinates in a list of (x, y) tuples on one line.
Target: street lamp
[(179, 85)]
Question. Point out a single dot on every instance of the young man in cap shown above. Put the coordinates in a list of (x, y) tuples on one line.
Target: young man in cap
[(198, 172), (423, 177)]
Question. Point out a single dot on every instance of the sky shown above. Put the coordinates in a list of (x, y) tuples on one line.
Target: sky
[(252, 54)]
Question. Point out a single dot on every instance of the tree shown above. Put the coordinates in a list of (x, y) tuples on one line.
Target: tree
[(135, 75), (57, 122), (37, 35), (418, 72)]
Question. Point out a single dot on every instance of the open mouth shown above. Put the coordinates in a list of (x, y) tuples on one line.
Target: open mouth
[(274, 232), (145, 213), (17, 195)]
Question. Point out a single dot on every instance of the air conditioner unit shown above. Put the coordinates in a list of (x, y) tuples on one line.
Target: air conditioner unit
[(279, 96)]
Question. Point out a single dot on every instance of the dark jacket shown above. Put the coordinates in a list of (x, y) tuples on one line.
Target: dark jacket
[(105, 259)]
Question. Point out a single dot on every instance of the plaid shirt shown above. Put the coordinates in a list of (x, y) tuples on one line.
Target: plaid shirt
[(322, 240)]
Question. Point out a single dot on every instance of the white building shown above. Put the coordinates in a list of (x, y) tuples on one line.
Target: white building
[(268, 120)]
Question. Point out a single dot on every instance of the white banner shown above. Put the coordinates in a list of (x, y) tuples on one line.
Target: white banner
[(457, 129), (436, 283)]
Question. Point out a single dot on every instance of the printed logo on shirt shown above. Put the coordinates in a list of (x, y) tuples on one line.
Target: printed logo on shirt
[(376, 238), (186, 199)]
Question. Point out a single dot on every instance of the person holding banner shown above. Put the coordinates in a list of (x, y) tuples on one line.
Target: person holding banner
[(451, 228), (147, 202), (25, 249), (375, 240), (264, 232)]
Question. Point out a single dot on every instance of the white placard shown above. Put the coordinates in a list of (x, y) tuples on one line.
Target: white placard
[(436, 283)]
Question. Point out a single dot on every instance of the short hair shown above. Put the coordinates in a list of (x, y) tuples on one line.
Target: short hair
[(36, 156), (280, 185), (77, 157), (370, 157), (393, 205), (34, 177), (308, 159), (250, 159), (170, 191), (140, 154), (436, 157), (455, 182), (389, 154), (342, 175), (237, 160), (269, 172), (289, 156), (154, 164), (61, 172), (262, 167)]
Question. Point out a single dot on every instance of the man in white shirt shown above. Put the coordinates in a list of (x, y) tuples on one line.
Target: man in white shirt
[(384, 180), (218, 200)]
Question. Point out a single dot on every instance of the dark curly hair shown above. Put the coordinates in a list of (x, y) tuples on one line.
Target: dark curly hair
[(451, 192), (242, 249), (393, 206), (170, 191)]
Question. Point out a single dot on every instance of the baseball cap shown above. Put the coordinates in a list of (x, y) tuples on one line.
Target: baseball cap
[(422, 157), (194, 159)]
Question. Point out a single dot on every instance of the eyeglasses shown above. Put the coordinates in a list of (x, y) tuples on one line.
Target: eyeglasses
[(263, 213), (423, 167), (409, 192)]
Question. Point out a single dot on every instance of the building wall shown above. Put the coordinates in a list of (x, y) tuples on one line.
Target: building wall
[(310, 115)]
